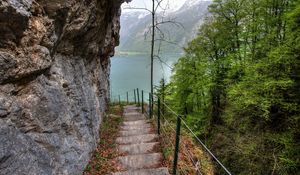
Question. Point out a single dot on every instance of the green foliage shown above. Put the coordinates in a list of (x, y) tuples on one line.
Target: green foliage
[(238, 84)]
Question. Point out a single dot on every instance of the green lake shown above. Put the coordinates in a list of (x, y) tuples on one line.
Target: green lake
[(133, 71)]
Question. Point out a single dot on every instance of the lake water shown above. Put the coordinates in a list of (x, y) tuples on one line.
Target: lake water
[(131, 72)]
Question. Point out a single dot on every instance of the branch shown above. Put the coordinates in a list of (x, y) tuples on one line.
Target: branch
[(171, 21), (170, 42), (147, 32), (160, 31), (275, 163), (160, 60), (159, 5), (159, 47), (139, 8)]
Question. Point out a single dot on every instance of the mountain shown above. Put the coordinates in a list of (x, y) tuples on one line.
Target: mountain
[(135, 25)]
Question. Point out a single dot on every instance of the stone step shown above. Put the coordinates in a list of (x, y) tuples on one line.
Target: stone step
[(132, 114), (126, 119), (140, 161), (141, 148), (137, 139), (133, 132), (138, 127), (139, 144), (131, 109), (135, 123), (157, 171)]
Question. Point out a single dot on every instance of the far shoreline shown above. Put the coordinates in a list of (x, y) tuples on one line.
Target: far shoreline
[(134, 53)]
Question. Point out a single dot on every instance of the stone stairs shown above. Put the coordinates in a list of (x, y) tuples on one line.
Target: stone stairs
[(137, 142)]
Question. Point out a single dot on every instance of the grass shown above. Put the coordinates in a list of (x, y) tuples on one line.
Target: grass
[(104, 157)]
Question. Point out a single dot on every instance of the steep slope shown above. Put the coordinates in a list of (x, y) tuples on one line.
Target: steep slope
[(135, 25), (54, 82)]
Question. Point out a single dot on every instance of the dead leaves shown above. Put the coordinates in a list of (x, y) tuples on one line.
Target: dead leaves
[(104, 158)]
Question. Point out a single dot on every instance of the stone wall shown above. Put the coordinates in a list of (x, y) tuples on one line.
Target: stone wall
[(54, 82)]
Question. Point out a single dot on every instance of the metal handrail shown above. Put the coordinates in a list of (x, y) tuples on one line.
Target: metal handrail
[(179, 121), (197, 138)]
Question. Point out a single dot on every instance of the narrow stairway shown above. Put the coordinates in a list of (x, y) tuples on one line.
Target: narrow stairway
[(138, 143)]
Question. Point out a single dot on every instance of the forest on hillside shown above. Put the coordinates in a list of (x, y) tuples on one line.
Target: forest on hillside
[(238, 85)]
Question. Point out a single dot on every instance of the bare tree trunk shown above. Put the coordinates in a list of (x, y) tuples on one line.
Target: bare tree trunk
[(155, 28), (152, 48)]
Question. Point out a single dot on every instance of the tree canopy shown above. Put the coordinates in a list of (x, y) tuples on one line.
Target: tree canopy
[(238, 84)]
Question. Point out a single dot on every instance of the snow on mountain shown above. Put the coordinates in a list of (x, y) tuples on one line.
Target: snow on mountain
[(143, 15), (173, 5), (170, 5), (134, 23), (191, 3)]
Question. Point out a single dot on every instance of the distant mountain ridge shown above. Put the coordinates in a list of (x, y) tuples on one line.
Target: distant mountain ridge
[(135, 24)]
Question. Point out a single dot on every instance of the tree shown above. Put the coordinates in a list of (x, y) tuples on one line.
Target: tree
[(157, 34), (239, 81)]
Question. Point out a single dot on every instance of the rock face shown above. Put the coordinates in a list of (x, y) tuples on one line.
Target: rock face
[(54, 82)]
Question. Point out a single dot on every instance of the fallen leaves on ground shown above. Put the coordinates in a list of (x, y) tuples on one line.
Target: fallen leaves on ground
[(104, 158), (192, 159)]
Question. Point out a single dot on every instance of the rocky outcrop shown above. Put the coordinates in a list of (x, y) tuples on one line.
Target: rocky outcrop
[(54, 82)]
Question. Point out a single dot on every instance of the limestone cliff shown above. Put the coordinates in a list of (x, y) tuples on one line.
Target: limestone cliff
[(54, 82)]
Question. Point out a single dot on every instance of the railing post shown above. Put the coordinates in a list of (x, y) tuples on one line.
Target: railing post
[(138, 96), (152, 104), (150, 111), (134, 96), (158, 116), (127, 97), (163, 96), (142, 102), (120, 100), (176, 145)]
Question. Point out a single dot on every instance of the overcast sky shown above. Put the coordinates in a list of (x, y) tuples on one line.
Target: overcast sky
[(147, 3)]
